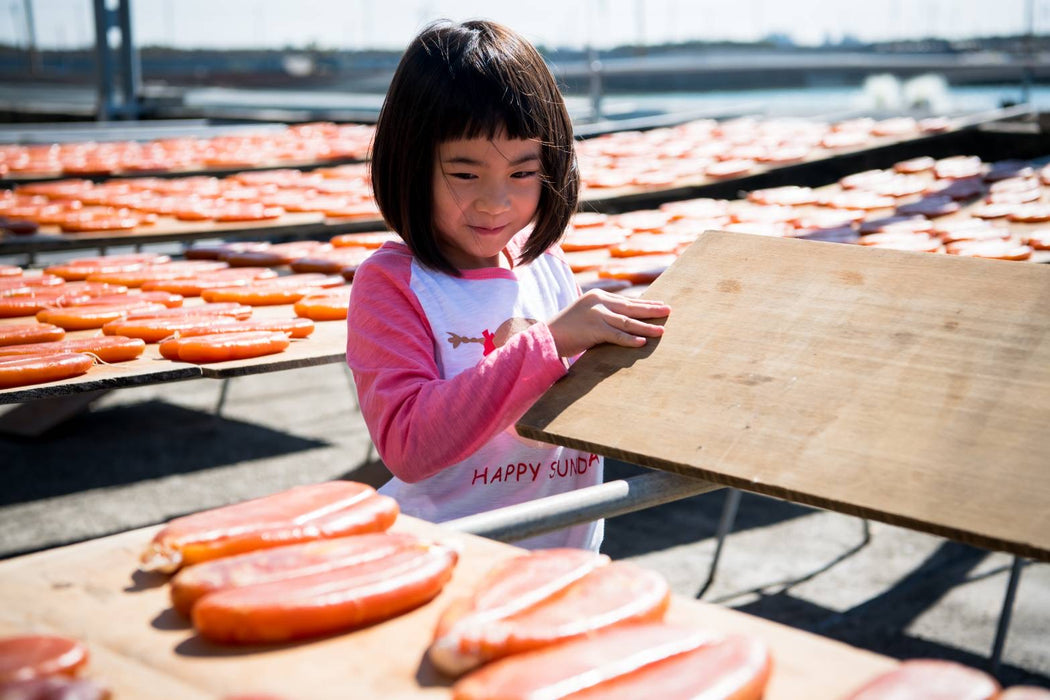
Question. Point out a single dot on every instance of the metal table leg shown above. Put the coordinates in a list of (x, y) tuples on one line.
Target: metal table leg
[(1006, 613), (725, 524), (353, 387), (222, 397)]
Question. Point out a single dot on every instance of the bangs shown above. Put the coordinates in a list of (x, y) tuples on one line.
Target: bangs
[(486, 108)]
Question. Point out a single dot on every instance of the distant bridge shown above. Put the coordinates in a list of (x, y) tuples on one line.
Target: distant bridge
[(763, 69)]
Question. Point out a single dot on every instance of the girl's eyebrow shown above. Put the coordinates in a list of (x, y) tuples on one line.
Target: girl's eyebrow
[(464, 160)]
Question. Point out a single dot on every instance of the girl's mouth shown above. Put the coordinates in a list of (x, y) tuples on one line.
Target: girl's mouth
[(488, 231)]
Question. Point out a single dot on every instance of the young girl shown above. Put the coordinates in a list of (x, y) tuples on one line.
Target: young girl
[(453, 334)]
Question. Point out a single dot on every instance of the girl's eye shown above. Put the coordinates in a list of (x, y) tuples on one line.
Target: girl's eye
[(463, 176), (525, 174)]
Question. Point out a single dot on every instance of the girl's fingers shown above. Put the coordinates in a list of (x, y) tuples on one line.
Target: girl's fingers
[(638, 308), (625, 331), (647, 329), (626, 326), (646, 311), (650, 312), (628, 341), (603, 297)]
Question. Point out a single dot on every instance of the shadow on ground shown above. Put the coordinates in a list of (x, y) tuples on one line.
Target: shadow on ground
[(880, 624), (684, 521), (160, 439), (370, 471)]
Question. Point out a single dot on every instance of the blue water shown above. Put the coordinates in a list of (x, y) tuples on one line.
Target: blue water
[(879, 96), (930, 97)]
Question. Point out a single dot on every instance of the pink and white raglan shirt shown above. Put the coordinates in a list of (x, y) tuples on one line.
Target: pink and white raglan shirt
[(445, 366)]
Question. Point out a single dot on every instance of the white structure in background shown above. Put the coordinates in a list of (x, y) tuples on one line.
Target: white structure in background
[(881, 93), (927, 93), (298, 65)]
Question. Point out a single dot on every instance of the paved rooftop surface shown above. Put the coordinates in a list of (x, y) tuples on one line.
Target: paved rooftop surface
[(143, 455)]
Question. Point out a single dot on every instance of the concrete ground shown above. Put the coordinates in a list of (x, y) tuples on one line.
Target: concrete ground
[(142, 455)]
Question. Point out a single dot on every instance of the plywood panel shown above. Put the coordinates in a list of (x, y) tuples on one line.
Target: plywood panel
[(141, 648), (906, 387)]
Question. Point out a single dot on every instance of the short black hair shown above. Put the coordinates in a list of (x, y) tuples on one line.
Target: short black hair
[(475, 79)]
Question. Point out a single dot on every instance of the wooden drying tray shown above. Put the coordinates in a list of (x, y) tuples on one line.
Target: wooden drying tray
[(964, 213), (141, 648), (326, 345), (15, 179), (903, 387), (619, 199), (817, 169), (168, 229)]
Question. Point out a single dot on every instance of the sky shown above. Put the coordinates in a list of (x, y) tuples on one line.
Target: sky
[(390, 24)]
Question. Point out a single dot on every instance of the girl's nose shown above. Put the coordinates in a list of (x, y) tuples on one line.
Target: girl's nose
[(494, 199)]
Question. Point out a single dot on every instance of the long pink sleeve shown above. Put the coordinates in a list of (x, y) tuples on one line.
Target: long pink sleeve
[(419, 422)]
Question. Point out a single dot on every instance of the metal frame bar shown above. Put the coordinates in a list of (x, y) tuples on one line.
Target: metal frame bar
[(605, 500)]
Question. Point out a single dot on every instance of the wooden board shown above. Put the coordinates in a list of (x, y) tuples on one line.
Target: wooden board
[(904, 387), (327, 344), (141, 648)]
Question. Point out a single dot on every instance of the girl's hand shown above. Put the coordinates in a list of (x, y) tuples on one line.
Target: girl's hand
[(603, 317)]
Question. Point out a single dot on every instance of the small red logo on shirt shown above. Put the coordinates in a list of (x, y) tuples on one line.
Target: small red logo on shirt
[(489, 340)]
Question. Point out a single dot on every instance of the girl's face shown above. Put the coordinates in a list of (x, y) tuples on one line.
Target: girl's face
[(485, 192)]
